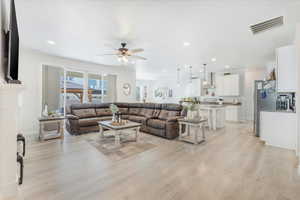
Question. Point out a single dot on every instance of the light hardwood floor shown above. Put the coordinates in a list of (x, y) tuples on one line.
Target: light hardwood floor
[(232, 164)]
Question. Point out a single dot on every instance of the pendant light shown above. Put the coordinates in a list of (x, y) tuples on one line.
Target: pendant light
[(178, 76), (191, 74), (205, 74)]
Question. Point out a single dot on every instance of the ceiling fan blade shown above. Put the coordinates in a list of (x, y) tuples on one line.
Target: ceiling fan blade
[(133, 51), (108, 54), (138, 57)]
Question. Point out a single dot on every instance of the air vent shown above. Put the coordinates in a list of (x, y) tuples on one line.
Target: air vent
[(263, 26)]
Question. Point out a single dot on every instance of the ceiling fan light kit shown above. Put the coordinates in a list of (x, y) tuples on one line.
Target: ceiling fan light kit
[(124, 54)]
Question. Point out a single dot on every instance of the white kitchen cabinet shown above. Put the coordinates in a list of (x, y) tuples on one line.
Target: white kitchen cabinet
[(219, 85), (279, 129), (232, 113), (286, 69), (234, 85), (228, 85)]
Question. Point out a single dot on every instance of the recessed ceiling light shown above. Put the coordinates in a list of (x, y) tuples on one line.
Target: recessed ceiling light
[(104, 74), (227, 66), (213, 59), (51, 42), (164, 70), (186, 44)]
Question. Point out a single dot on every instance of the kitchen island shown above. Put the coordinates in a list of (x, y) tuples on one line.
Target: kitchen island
[(217, 113), (214, 113)]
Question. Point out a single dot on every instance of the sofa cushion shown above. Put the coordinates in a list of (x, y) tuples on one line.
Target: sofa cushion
[(134, 111), (125, 117), (121, 105), (163, 114), (123, 111), (102, 105), (166, 114), (139, 119), (156, 112), (147, 112), (84, 113), (88, 122), (172, 114), (103, 112), (105, 118), (154, 131), (171, 106), (156, 123)]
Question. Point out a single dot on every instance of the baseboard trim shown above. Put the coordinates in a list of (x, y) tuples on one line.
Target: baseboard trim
[(282, 147)]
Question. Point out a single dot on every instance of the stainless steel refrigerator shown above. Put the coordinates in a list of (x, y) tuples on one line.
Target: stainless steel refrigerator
[(265, 96)]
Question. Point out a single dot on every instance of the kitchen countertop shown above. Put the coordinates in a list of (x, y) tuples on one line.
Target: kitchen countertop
[(224, 103), (216, 106), (278, 111), (214, 103)]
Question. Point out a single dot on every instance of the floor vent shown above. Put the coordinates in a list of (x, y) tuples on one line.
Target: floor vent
[(266, 25)]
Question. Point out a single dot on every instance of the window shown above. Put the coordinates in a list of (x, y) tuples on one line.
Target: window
[(74, 88), (95, 88), (63, 88)]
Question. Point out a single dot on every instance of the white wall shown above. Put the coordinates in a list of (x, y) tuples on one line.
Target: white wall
[(270, 66), (30, 73), (297, 43), (248, 100), (8, 125)]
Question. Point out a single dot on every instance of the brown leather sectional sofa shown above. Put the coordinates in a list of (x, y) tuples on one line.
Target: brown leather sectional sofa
[(156, 119)]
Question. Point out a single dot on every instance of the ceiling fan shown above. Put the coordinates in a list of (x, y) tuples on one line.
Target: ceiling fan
[(124, 53)]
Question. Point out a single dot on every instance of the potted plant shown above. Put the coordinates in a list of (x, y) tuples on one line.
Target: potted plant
[(114, 109), (192, 111)]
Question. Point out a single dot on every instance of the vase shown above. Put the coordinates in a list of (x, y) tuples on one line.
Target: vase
[(45, 111), (114, 117)]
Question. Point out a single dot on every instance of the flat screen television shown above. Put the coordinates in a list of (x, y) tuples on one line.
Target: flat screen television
[(12, 47)]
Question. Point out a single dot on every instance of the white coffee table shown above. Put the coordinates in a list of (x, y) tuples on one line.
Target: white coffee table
[(119, 130)]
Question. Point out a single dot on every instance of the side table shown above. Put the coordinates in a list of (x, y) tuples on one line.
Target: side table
[(51, 128), (198, 124)]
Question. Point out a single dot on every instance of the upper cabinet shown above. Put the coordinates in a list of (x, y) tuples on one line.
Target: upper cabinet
[(286, 69), (219, 85), (228, 85)]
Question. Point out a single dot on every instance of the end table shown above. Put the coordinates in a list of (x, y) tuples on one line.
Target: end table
[(51, 127), (198, 124)]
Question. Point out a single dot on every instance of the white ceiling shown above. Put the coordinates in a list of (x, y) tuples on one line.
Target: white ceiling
[(214, 28)]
